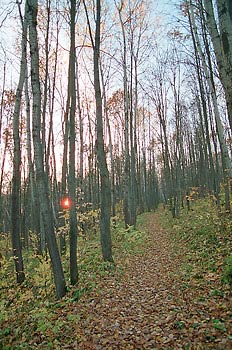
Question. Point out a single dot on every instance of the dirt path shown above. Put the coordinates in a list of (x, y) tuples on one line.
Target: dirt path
[(150, 307)]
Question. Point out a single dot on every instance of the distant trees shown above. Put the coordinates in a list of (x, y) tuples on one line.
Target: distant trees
[(132, 18), (207, 81)]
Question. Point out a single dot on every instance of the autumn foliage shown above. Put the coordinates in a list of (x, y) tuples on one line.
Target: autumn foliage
[(170, 289)]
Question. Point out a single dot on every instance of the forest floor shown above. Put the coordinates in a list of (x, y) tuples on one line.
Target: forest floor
[(153, 306), (159, 297)]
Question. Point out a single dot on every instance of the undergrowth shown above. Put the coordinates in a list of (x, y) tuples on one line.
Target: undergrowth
[(31, 317), (30, 311), (203, 238)]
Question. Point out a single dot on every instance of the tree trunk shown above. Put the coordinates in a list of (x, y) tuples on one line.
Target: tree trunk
[(226, 162), (16, 180), (112, 178), (33, 192), (42, 181), (72, 149), (222, 43), (101, 156), (127, 173)]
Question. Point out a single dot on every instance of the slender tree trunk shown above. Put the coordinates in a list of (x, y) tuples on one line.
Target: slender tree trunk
[(81, 171), (101, 156), (127, 174), (41, 178), (2, 99), (112, 178), (65, 162), (46, 77), (222, 43), (132, 117), (34, 201), (226, 162), (72, 152), (2, 158), (16, 180)]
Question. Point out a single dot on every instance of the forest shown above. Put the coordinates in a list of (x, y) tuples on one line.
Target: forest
[(116, 174)]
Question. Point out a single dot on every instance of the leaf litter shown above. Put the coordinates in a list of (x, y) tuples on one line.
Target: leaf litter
[(151, 304)]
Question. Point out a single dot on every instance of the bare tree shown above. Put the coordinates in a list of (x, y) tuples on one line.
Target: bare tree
[(207, 68), (72, 148), (16, 180), (41, 176), (101, 154)]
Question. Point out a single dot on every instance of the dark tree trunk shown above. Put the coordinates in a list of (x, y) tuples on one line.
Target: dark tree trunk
[(72, 160), (41, 178), (101, 156), (16, 180)]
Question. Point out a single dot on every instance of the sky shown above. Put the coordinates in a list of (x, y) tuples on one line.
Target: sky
[(163, 11), (166, 11)]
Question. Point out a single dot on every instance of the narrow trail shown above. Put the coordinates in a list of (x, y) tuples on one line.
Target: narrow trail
[(149, 307)]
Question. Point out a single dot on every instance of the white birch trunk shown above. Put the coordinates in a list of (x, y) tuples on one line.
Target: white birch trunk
[(220, 130), (221, 37)]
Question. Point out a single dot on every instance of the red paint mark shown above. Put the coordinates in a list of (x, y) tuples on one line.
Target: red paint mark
[(66, 203)]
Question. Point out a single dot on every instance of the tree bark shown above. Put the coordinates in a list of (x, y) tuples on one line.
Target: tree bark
[(41, 178), (72, 152), (101, 156), (16, 180), (222, 42), (226, 162), (126, 100)]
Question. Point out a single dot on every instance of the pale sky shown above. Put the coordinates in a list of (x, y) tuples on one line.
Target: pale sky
[(10, 29)]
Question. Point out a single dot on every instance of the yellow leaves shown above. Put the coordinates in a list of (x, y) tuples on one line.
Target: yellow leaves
[(168, 295), (211, 276), (176, 227), (37, 313), (64, 214), (28, 295), (127, 261), (3, 313)]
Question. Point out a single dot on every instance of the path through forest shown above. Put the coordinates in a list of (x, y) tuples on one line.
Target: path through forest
[(150, 307)]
